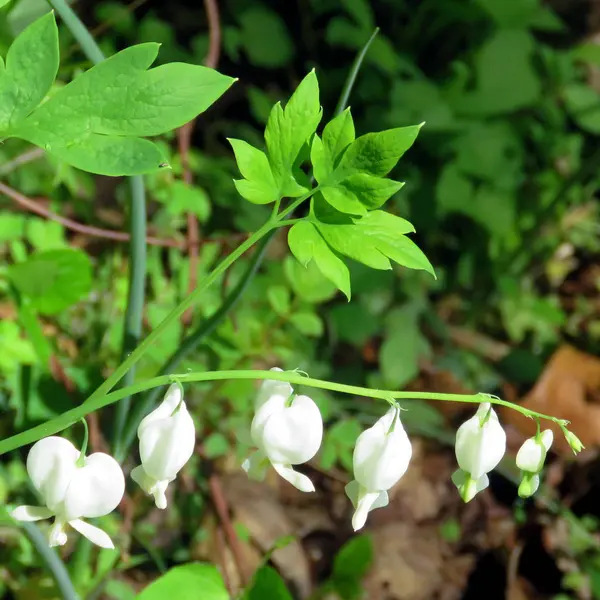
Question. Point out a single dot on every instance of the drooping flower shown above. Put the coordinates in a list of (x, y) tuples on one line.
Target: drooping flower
[(530, 459), (167, 441), (480, 446), (381, 457), (287, 430), (73, 487)]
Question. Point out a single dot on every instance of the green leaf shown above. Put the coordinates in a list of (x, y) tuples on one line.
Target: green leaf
[(375, 153), (31, 68), (308, 282), (215, 445), (307, 323), (350, 565), (279, 299), (338, 134), (121, 97), (265, 37), (583, 104), (288, 130), (16, 351), (375, 239), (267, 585), (187, 582), (258, 185), (307, 244), (181, 198), (53, 280)]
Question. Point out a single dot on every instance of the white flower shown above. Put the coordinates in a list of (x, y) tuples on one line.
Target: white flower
[(480, 446), (72, 488), (287, 430), (167, 441), (530, 459), (381, 457)]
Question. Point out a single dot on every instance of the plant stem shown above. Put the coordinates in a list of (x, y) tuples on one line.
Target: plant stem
[(135, 302), (143, 406), (69, 417), (52, 560), (132, 328), (356, 65)]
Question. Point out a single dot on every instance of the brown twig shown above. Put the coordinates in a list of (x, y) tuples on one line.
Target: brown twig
[(38, 209), (220, 504), (184, 138), (21, 159)]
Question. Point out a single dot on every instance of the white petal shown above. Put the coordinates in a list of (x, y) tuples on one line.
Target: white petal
[(293, 435), (173, 397), (94, 534), (364, 505), (273, 405), (142, 478), (31, 513), (159, 490), (381, 456), (479, 448), (167, 444), (352, 490), (298, 480), (57, 535), (547, 438), (531, 456), (271, 387), (51, 464), (256, 465), (96, 488), (151, 486), (467, 486)]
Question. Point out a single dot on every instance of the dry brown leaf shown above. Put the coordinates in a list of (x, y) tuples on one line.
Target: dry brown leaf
[(567, 389)]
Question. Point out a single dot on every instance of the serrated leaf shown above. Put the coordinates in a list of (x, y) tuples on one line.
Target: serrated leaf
[(31, 67), (53, 280), (307, 244), (121, 97), (258, 185), (187, 582), (375, 239), (288, 130), (338, 135)]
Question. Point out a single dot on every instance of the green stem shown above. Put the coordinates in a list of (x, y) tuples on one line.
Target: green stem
[(143, 406), (356, 65), (135, 301), (79, 30), (68, 418), (52, 560)]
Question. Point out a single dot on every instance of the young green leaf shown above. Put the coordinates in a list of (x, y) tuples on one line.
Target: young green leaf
[(53, 280), (375, 239), (117, 98), (187, 582), (31, 67), (258, 185), (267, 585), (338, 134), (307, 244), (288, 130)]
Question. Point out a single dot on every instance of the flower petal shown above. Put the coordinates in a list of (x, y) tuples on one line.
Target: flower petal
[(364, 505), (51, 463), (271, 387), (270, 407), (167, 444), (96, 488), (171, 401), (57, 535), (381, 456), (94, 534), (293, 435), (31, 513), (298, 480)]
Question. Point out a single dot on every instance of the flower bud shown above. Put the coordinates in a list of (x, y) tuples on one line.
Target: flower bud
[(381, 457), (72, 487), (167, 441), (573, 441), (286, 432), (529, 485), (480, 446), (532, 453)]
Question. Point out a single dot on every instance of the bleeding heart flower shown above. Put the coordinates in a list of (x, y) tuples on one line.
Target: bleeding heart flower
[(72, 487)]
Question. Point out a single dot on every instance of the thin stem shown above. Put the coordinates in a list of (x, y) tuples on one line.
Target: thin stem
[(135, 301), (100, 401), (134, 312), (356, 65), (143, 406), (52, 560), (79, 30)]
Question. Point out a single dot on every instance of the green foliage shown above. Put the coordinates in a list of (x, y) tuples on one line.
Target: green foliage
[(187, 582), (267, 585)]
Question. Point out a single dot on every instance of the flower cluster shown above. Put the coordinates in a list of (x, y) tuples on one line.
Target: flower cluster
[(287, 431)]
